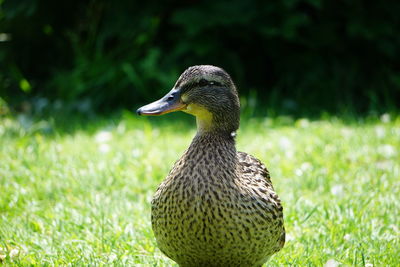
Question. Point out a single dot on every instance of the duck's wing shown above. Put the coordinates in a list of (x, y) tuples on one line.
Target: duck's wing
[(254, 173), (253, 168)]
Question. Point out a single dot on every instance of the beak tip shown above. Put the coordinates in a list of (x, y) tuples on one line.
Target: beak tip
[(138, 111)]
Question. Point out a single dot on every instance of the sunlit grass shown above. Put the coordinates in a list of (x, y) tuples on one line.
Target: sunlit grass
[(80, 194)]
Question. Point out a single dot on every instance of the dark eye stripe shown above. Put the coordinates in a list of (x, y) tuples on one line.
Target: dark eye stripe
[(201, 83), (215, 83), (204, 82)]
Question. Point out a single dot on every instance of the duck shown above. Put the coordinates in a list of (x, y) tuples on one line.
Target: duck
[(217, 206)]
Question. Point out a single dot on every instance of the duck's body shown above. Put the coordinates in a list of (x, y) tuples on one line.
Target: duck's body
[(217, 206)]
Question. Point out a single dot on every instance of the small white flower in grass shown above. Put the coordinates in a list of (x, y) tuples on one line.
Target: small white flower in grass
[(384, 165), (380, 132), (337, 190), (304, 167), (289, 237), (368, 264), (112, 257), (387, 150), (395, 228), (346, 133), (136, 152), (129, 229), (303, 123), (13, 253), (289, 154), (298, 172), (385, 118), (104, 148), (331, 263), (121, 128), (285, 143), (103, 136), (59, 148), (347, 237)]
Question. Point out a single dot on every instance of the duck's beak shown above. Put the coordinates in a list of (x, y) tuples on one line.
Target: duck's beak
[(169, 103)]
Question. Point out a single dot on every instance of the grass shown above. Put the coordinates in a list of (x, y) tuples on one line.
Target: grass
[(77, 193)]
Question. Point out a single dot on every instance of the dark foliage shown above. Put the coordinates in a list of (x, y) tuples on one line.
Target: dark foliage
[(293, 55)]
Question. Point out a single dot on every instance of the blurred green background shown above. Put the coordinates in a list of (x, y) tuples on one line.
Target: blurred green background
[(291, 57)]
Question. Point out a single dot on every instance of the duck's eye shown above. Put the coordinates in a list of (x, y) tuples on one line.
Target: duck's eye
[(214, 83), (203, 82)]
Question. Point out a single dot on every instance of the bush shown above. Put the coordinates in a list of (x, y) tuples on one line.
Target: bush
[(294, 55)]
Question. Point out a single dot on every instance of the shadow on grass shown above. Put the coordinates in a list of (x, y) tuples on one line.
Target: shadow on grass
[(61, 123)]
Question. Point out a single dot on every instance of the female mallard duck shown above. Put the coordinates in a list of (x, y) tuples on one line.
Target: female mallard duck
[(217, 206)]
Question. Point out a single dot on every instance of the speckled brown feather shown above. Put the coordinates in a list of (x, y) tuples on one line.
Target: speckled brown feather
[(217, 207)]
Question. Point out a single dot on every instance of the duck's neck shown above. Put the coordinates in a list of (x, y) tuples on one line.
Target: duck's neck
[(214, 146), (215, 138), (210, 157), (220, 121), (216, 127)]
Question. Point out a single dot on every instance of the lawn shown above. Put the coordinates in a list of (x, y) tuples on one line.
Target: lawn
[(78, 192)]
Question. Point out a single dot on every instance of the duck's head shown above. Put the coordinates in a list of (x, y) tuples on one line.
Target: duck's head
[(206, 92)]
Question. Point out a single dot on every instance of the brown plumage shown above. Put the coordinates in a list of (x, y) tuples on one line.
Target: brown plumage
[(217, 206)]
